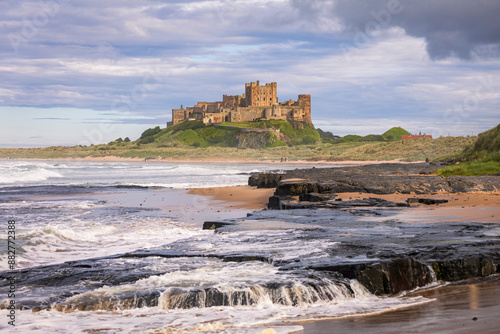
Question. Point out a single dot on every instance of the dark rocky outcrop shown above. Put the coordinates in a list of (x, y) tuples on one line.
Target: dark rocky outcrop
[(265, 180), (274, 203), (388, 184), (315, 197), (426, 201), (375, 179), (256, 138), (328, 202), (388, 277), (460, 269), (405, 274), (212, 225)]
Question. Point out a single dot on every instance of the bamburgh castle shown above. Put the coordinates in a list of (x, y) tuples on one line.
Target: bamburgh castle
[(258, 102)]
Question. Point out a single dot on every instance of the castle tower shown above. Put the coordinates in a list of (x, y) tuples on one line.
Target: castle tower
[(305, 104), (257, 95), (179, 115)]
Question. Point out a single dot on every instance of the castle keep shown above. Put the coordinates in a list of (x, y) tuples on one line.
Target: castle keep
[(258, 102)]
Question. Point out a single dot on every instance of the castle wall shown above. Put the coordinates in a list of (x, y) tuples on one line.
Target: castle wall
[(232, 101), (213, 118), (258, 102), (247, 114), (209, 107)]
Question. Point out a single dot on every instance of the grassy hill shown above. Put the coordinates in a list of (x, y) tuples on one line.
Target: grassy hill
[(296, 141), (395, 133), (482, 157), (487, 144), (243, 135), (392, 134)]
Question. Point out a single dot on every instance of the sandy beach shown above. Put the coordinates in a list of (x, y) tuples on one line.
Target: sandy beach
[(340, 162)]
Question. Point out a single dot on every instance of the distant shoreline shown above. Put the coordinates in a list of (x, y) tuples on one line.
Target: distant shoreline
[(211, 160)]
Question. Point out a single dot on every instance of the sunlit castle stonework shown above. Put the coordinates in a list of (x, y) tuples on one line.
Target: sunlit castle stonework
[(257, 103)]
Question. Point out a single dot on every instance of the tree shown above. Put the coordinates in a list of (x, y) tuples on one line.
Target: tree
[(150, 132)]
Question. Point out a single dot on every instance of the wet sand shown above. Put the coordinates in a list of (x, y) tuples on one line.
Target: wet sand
[(238, 197), (192, 207), (474, 207), (456, 309)]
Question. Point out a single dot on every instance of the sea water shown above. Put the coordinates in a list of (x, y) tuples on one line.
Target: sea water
[(106, 247)]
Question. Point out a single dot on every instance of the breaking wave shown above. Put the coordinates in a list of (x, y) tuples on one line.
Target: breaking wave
[(26, 173)]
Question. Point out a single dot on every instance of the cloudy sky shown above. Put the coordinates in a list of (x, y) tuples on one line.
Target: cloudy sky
[(81, 72)]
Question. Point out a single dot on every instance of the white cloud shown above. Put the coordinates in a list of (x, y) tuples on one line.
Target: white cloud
[(144, 58)]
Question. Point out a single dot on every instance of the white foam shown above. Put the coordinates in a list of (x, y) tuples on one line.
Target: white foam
[(70, 239), (494, 232), (230, 320), (24, 173), (279, 244)]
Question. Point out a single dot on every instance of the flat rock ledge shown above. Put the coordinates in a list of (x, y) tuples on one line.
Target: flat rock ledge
[(375, 179), (386, 263)]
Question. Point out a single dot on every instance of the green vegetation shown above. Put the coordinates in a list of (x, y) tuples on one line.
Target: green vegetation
[(487, 143), (392, 134), (218, 136), (327, 135), (165, 147), (481, 158), (192, 133), (182, 126), (150, 132), (472, 168), (413, 149), (297, 141), (350, 138), (395, 134), (372, 138), (197, 134)]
